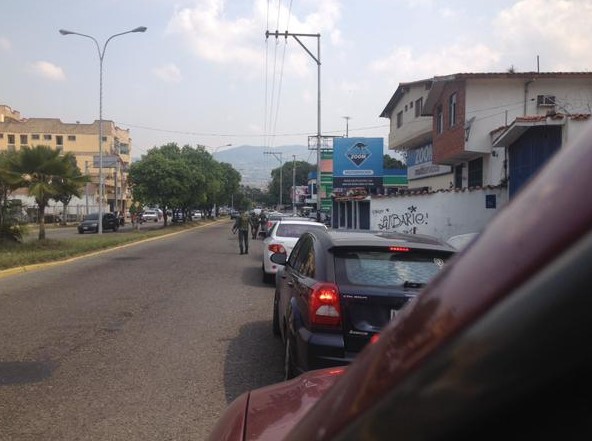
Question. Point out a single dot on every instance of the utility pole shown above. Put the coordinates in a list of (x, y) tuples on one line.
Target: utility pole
[(278, 156), (317, 59), (294, 185), (347, 118)]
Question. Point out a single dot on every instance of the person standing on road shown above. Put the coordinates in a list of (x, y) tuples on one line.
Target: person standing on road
[(241, 224), (254, 221)]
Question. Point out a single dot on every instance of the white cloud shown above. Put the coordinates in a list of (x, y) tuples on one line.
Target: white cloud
[(169, 73), (4, 44), (47, 70), (213, 35), (406, 65), (557, 30)]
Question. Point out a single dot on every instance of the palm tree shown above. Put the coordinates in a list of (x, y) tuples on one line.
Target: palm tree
[(46, 174)]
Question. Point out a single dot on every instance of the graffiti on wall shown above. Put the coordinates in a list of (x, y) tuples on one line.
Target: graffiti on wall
[(406, 222)]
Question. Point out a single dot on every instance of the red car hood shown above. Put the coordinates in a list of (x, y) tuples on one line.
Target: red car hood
[(269, 413)]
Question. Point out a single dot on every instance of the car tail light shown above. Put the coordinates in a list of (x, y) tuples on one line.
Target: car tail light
[(399, 249), (324, 305), (277, 248)]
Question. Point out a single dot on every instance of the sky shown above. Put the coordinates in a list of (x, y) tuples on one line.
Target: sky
[(204, 72)]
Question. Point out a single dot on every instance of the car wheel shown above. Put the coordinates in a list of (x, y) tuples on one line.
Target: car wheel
[(276, 317), (288, 362)]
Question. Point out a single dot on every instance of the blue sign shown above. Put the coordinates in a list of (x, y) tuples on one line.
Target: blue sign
[(357, 162)]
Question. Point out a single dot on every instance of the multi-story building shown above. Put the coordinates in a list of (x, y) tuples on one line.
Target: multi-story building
[(83, 141), (489, 129), (411, 134)]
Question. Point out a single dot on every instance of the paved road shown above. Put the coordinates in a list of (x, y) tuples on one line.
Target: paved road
[(149, 342)]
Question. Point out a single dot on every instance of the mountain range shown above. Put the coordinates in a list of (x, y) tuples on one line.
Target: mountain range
[(255, 163)]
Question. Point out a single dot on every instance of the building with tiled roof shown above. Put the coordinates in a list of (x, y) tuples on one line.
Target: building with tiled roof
[(83, 141)]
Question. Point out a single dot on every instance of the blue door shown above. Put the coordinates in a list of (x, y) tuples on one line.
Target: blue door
[(530, 152)]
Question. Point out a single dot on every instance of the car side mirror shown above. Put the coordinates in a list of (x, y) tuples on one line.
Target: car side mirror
[(279, 258)]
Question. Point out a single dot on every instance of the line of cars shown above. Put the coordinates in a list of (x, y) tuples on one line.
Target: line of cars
[(335, 290), (494, 346)]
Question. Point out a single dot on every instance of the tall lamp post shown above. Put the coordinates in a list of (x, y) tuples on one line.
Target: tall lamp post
[(101, 56)]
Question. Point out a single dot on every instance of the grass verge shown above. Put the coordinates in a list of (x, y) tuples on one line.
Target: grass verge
[(14, 255)]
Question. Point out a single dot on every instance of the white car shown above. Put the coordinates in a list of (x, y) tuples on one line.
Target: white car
[(150, 215), (282, 238)]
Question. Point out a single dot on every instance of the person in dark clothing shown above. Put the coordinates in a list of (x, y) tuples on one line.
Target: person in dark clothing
[(241, 224), (254, 221)]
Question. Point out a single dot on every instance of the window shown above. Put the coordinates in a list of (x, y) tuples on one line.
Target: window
[(452, 110), (476, 172), (47, 137), (302, 257), (59, 140), (418, 107), (399, 119), (35, 137), (385, 268), (1, 135), (439, 120), (71, 137), (24, 139), (11, 139), (545, 100), (104, 139)]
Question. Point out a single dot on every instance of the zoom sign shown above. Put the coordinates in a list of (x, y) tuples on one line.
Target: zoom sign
[(357, 162), (358, 153)]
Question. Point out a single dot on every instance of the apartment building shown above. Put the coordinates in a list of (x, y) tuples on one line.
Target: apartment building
[(490, 129), (83, 141)]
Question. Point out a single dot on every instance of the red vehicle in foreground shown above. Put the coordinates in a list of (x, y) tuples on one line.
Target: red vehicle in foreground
[(497, 345)]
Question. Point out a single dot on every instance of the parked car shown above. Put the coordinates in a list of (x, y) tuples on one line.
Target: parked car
[(234, 213), (283, 236), (340, 288), (178, 216), (90, 223), (495, 347), (196, 215), (268, 218), (150, 215)]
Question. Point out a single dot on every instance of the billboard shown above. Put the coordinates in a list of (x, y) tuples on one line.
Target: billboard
[(357, 162)]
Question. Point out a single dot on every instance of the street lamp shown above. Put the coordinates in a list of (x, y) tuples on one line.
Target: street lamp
[(101, 56)]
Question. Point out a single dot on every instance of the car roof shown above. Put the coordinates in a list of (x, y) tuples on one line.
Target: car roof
[(355, 238)]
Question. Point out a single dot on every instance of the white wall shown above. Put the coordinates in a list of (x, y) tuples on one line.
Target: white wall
[(441, 214)]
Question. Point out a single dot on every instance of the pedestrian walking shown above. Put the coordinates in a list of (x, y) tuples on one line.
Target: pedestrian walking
[(241, 225), (254, 221)]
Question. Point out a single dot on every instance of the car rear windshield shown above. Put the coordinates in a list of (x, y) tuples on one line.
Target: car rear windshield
[(387, 268), (296, 230)]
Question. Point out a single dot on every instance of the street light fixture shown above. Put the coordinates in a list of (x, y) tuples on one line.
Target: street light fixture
[(101, 56)]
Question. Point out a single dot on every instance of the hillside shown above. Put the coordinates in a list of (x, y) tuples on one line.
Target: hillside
[(255, 166)]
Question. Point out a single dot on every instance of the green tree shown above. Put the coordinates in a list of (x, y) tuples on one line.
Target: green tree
[(70, 186), (9, 220), (303, 168), (45, 173), (391, 163), (160, 178)]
